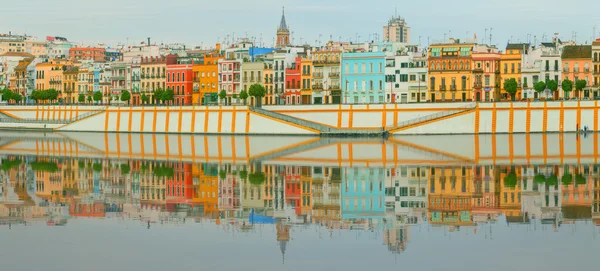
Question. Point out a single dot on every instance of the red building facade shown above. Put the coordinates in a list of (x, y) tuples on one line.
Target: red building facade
[(292, 83), (180, 80)]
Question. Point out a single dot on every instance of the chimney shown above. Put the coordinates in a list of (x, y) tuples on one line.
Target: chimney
[(148, 41)]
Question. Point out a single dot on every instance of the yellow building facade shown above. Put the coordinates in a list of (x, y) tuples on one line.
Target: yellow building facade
[(450, 72), (306, 67), (510, 67)]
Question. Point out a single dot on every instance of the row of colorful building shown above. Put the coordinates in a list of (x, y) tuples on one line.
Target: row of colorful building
[(444, 195), (388, 71)]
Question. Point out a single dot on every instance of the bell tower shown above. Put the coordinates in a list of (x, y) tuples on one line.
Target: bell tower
[(283, 32)]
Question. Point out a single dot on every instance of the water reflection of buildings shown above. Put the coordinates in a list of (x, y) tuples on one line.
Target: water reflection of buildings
[(391, 200)]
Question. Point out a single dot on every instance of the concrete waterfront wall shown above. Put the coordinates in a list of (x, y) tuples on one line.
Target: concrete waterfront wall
[(52, 112), (518, 117), (170, 119), (364, 115)]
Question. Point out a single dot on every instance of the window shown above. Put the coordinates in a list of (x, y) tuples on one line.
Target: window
[(487, 80), (464, 83), (403, 77), (404, 65), (380, 68), (371, 68), (371, 85), (413, 77), (182, 76), (512, 68)]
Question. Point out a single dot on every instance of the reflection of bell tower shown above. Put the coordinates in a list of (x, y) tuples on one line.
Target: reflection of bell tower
[(283, 33), (283, 236)]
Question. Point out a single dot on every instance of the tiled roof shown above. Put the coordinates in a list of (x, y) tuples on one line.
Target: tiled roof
[(577, 52), (517, 46), (23, 54)]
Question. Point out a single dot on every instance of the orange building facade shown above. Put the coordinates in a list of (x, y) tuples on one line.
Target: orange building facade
[(87, 53), (577, 63)]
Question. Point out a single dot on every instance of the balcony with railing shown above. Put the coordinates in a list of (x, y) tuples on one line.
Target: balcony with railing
[(118, 77), (442, 87), (317, 86), (565, 69), (452, 87), (478, 85), (334, 74), (586, 70), (317, 75), (135, 78), (334, 87), (576, 70)]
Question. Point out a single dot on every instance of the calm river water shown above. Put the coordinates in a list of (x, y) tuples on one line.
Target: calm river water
[(179, 202)]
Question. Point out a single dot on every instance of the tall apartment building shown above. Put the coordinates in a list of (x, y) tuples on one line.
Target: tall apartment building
[(396, 30)]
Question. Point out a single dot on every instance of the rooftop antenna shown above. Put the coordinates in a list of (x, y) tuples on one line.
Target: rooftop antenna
[(491, 35), (485, 35)]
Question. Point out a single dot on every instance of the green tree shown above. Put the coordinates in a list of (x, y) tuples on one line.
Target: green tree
[(157, 95), (223, 96), (168, 95), (257, 91), (50, 94), (243, 174), (511, 86), (552, 86), (81, 98), (540, 87), (90, 99), (580, 86), (125, 169), (256, 178), (144, 98), (567, 87), (510, 180), (579, 179), (567, 179), (222, 174), (540, 178), (98, 96), (125, 96), (97, 167), (552, 180), (244, 96)]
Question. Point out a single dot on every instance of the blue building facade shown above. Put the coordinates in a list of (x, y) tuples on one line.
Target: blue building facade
[(363, 193), (363, 77)]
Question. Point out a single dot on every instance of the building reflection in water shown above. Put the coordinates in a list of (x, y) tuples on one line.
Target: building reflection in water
[(388, 202)]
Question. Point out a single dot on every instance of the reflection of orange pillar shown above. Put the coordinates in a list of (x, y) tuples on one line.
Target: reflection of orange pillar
[(511, 150), (350, 156), (545, 147), (494, 148), (578, 150), (476, 139), (383, 153), (596, 147), (494, 120), (339, 154), (561, 145), (528, 147)]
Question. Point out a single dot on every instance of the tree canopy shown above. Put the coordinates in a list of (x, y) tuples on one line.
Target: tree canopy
[(552, 85), (567, 86), (125, 96), (97, 96), (540, 86), (580, 84), (511, 87), (81, 98)]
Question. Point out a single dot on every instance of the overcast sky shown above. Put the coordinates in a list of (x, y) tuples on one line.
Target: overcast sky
[(203, 22)]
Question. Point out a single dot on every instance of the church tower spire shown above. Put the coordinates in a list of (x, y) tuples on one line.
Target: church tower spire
[(283, 32)]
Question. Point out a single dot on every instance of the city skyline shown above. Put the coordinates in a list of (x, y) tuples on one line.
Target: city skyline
[(253, 21)]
